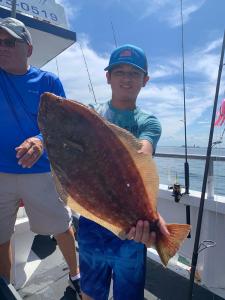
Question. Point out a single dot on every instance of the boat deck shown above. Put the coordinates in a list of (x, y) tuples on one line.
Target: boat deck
[(50, 280)]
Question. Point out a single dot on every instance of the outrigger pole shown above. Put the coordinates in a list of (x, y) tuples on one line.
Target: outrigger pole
[(208, 157), (13, 9)]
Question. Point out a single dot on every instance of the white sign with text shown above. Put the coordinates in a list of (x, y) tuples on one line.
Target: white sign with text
[(46, 10)]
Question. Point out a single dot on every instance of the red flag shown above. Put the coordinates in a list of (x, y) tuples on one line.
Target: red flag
[(221, 114)]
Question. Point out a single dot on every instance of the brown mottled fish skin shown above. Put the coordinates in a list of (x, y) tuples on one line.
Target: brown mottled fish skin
[(98, 171)]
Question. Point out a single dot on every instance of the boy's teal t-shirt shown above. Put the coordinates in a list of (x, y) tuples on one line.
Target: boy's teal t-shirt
[(142, 125)]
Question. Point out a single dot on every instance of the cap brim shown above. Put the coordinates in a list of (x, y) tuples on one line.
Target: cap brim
[(12, 33), (109, 67)]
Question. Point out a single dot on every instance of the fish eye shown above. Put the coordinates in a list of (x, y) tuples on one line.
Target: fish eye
[(74, 146)]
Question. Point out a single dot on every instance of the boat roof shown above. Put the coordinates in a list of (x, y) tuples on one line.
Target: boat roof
[(49, 40)]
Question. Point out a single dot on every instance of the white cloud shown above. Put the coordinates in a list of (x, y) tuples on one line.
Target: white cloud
[(173, 16), (72, 10), (165, 10), (163, 71), (213, 46), (74, 74)]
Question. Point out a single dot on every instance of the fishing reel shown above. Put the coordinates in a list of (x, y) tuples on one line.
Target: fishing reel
[(176, 191)]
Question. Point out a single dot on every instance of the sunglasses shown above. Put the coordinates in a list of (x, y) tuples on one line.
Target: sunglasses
[(9, 43)]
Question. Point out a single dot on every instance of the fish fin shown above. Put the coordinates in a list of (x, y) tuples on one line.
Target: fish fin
[(144, 162), (168, 246)]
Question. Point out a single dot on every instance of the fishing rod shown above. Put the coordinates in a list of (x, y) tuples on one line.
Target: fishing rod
[(207, 163), (89, 76), (186, 165), (176, 187)]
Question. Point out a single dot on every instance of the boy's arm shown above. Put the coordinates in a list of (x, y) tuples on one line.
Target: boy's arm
[(146, 147), (141, 233)]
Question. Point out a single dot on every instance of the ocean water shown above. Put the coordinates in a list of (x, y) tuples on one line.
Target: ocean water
[(172, 169)]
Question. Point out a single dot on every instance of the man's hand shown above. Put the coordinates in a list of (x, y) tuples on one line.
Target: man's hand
[(29, 152), (141, 233)]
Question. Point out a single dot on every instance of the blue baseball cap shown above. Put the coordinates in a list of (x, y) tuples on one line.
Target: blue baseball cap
[(130, 55)]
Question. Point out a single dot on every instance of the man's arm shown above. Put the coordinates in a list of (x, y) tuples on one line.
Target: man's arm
[(29, 152)]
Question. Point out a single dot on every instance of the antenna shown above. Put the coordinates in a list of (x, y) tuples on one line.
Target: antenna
[(114, 35), (89, 77)]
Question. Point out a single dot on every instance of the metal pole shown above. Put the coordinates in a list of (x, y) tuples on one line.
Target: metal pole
[(13, 10), (208, 158)]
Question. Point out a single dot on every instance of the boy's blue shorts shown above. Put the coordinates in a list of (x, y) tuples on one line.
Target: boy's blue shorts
[(104, 256)]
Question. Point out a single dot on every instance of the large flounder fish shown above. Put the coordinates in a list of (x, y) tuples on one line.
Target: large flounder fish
[(99, 172)]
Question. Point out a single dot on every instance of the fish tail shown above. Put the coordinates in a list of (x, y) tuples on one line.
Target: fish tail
[(167, 246)]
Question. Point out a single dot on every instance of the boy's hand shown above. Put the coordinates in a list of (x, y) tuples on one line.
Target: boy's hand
[(141, 233)]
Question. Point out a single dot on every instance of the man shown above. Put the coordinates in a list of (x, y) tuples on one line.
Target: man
[(102, 254), (24, 167)]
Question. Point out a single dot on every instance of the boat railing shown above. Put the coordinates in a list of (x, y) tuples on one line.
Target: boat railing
[(210, 180), (211, 261)]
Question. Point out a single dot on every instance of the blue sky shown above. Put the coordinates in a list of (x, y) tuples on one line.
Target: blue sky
[(154, 25)]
